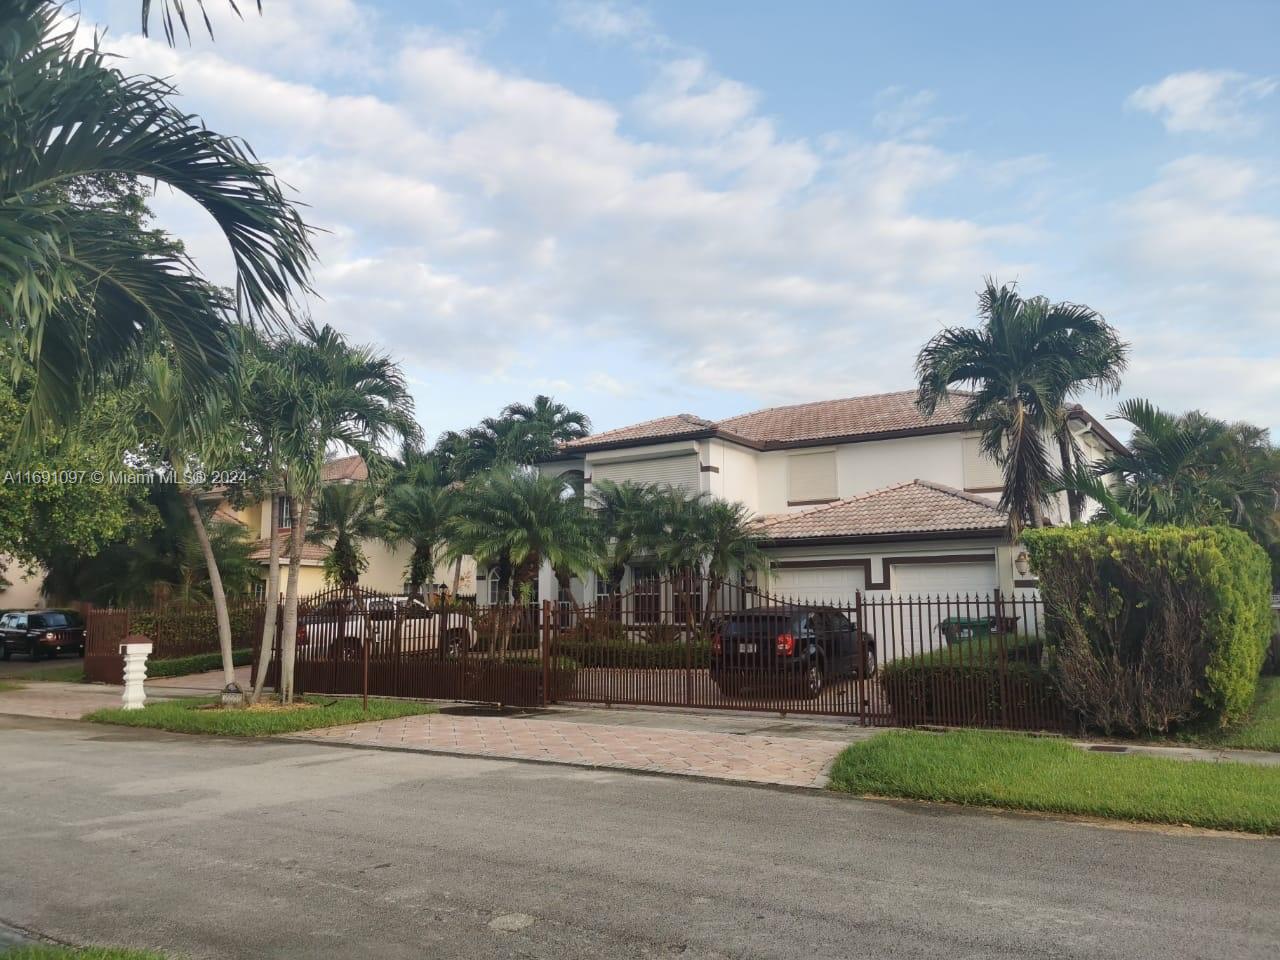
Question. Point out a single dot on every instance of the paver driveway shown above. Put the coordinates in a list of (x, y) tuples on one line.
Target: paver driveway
[(790, 761)]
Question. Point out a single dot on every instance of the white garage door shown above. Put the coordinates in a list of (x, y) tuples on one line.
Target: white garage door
[(835, 585), (944, 579)]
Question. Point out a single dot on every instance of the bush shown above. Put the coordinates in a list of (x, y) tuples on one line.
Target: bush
[(181, 632), (964, 685), (626, 653), (200, 663), (1155, 627)]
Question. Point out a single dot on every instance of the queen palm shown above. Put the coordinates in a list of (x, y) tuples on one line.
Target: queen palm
[(1022, 364), (83, 287)]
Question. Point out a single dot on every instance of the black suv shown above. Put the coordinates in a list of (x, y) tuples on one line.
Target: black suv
[(41, 633), (795, 647)]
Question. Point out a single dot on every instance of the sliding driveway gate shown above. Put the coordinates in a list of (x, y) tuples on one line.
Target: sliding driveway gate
[(967, 660)]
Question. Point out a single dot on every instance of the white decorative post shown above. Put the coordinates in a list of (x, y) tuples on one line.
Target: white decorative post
[(136, 650)]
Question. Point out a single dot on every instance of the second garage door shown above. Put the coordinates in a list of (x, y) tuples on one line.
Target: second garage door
[(944, 579), (834, 585)]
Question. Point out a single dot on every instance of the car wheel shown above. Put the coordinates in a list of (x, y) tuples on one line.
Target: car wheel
[(34, 651), (869, 663), (455, 643), (814, 679), (5, 652)]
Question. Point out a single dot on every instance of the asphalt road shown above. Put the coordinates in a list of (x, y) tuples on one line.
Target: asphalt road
[(271, 849)]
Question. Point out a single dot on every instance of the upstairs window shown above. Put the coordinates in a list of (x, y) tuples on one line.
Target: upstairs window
[(981, 473), (284, 513), (811, 478)]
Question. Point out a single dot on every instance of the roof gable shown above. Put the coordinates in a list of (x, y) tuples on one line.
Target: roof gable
[(914, 507)]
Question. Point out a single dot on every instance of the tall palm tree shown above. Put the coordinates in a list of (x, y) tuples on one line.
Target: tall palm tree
[(83, 287), (546, 423), (334, 395), (514, 519), (186, 432), (346, 515), (1022, 364)]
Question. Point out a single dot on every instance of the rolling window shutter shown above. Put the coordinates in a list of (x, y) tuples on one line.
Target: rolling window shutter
[(980, 471), (811, 476), (680, 472)]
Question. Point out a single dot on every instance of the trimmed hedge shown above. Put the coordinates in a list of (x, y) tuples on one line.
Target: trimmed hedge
[(622, 653), (181, 633), (200, 663), (963, 685), (1155, 626)]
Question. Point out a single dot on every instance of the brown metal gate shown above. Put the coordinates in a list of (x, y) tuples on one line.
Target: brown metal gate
[(962, 660)]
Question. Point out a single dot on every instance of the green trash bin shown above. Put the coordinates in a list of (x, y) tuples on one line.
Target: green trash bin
[(954, 629)]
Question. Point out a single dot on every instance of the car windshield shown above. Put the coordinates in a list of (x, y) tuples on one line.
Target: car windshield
[(54, 619)]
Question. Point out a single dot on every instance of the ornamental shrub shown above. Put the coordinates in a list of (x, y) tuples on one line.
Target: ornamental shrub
[(1154, 626)]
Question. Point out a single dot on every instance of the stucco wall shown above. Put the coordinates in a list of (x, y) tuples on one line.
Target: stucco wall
[(23, 591)]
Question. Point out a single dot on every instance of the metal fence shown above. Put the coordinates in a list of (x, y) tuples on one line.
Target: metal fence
[(175, 631), (967, 660)]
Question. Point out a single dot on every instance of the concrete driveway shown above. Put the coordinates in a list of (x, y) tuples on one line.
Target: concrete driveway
[(283, 849)]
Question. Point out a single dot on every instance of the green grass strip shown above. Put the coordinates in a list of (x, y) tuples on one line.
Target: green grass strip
[(1259, 731), (186, 716), (1029, 773)]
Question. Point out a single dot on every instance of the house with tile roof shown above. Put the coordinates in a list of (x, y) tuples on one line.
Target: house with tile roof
[(386, 568), (856, 494)]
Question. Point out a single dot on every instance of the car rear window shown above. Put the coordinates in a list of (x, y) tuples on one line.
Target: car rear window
[(750, 624)]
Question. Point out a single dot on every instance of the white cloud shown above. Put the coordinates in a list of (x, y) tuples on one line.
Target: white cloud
[(607, 19), (1205, 101), (908, 114)]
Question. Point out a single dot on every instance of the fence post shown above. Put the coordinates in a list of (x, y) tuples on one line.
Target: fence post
[(1003, 659), (860, 651), (546, 652)]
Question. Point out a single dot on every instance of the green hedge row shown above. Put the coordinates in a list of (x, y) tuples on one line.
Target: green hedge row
[(200, 663), (179, 633), (613, 653)]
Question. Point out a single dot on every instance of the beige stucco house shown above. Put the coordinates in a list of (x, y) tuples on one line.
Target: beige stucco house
[(858, 494), (386, 565)]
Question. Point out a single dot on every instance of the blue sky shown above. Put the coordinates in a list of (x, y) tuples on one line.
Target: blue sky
[(649, 208)]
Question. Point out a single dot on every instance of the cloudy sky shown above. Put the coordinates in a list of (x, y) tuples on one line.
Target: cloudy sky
[(708, 207)]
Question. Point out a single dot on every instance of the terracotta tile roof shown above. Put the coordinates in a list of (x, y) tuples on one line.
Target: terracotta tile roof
[(225, 513), (312, 553), (345, 468), (680, 424), (853, 417), (916, 506)]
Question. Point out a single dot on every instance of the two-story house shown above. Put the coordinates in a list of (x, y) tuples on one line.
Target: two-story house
[(864, 493)]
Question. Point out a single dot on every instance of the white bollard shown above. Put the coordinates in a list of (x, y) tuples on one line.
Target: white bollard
[(135, 672)]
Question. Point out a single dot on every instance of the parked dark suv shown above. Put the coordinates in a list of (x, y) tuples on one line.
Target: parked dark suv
[(797, 648), (41, 633)]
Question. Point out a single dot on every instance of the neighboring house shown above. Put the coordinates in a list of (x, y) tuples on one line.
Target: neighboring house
[(18, 590), (386, 568), (864, 493)]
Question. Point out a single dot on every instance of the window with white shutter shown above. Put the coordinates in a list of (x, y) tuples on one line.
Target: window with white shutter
[(811, 477)]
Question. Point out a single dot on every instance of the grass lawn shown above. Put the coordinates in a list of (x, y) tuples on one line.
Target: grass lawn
[(1031, 773), (197, 715), (6, 684), (1260, 732), (62, 671), (77, 953)]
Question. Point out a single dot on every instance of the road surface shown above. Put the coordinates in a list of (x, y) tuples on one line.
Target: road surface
[(272, 849)]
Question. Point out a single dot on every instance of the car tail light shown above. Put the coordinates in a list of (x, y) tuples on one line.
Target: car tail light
[(717, 645), (786, 644)]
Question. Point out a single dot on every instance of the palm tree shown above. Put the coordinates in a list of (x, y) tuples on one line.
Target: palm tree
[(186, 432), (628, 521), (347, 513), (415, 515), (546, 423), (334, 395), (708, 536), (171, 9), (514, 519), (1023, 363), (89, 287)]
